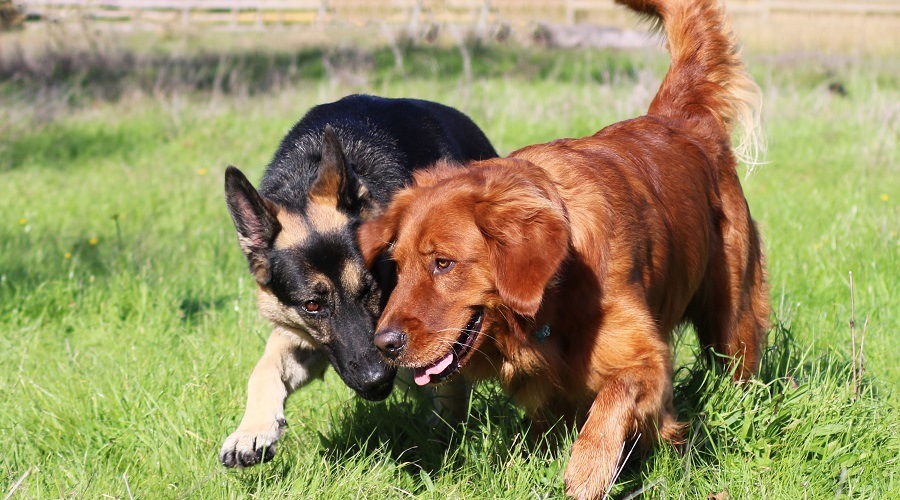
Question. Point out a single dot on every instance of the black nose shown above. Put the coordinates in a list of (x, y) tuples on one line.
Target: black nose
[(377, 382), (390, 342)]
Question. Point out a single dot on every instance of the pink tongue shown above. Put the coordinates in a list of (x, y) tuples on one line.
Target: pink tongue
[(423, 375)]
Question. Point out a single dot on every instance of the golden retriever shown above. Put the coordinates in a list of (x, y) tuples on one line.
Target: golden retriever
[(562, 269)]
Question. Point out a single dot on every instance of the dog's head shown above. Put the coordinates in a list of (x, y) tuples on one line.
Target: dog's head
[(311, 276), (472, 246)]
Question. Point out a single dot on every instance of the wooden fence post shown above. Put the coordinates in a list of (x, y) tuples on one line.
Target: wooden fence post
[(185, 16)]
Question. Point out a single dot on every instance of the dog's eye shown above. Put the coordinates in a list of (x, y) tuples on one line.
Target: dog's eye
[(442, 265), (312, 307)]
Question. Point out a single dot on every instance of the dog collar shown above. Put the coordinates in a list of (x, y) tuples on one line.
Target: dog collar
[(542, 333)]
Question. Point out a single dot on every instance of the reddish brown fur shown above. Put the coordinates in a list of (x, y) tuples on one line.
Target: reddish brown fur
[(611, 240)]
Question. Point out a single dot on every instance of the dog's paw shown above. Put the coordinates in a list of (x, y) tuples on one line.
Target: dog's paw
[(249, 446), (590, 471)]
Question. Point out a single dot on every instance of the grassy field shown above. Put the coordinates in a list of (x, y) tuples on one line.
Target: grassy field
[(128, 324)]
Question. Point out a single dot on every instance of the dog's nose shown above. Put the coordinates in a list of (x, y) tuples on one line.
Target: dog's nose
[(376, 381), (390, 343)]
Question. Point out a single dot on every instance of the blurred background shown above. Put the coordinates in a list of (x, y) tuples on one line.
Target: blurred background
[(128, 323), (253, 45), (849, 26)]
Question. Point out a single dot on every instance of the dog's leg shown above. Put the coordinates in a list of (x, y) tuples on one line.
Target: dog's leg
[(450, 400), (731, 310), (632, 408), (287, 364), (744, 337)]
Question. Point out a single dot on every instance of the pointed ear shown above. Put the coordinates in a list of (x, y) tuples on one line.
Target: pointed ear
[(528, 237), (337, 185), (255, 220)]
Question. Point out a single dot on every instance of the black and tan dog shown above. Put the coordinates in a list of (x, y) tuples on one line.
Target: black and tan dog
[(336, 167)]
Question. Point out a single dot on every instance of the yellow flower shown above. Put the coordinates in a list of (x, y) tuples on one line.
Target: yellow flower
[(201, 171), (68, 255), (22, 222), (884, 197), (92, 241), (817, 246)]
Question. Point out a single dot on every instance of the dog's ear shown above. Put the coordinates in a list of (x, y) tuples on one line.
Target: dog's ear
[(337, 184), (528, 238), (255, 220), (375, 235)]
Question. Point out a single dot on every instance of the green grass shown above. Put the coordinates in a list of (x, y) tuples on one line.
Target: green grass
[(128, 325)]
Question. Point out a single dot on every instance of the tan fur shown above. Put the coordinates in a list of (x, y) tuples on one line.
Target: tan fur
[(325, 218), (294, 230), (321, 217), (292, 357), (324, 199), (282, 316), (351, 277), (325, 189), (288, 362)]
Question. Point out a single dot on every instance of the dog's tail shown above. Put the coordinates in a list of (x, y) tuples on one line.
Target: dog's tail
[(707, 83)]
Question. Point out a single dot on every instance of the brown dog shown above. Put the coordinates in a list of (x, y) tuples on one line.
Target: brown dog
[(563, 269)]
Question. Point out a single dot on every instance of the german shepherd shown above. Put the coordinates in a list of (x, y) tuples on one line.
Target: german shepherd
[(335, 168), (563, 269)]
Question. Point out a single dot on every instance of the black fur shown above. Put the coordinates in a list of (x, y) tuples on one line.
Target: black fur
[(357, 151), (383, 140)]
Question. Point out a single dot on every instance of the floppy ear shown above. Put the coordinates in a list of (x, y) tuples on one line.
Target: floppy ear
[(528, 237), (255, 221), (371, 240), (337, 184), (375, 235)]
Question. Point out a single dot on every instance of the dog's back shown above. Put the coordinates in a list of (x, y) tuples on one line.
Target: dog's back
[(708, 91), (659, 196), (384, 140)]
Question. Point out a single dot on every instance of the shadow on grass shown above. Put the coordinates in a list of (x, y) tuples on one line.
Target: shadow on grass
[(34, 265), (194, 306), (715, 409), (62, 147), (750, 421), (796, 406), (401, 429), (399, 433)]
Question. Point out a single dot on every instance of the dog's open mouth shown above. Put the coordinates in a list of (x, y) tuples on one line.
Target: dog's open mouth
[(452, 361)]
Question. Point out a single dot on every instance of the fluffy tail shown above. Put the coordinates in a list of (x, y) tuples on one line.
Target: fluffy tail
[(707, 83)]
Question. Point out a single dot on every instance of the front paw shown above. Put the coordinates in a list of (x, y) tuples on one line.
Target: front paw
[(250, 445), (590, 472)]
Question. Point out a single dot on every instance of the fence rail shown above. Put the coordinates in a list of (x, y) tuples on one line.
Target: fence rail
[(299, 12), (187, 12)]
